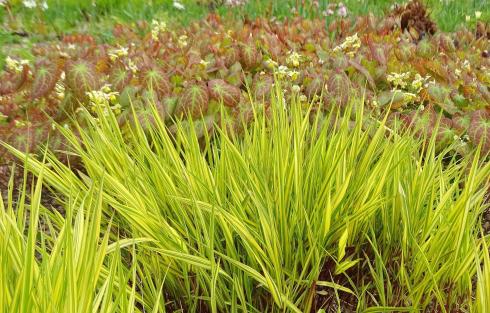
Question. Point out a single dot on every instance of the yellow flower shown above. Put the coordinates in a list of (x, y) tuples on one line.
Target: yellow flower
[(293, 75), (204, 64), (116, 109), (293, 59), (350, 45), (59, 90), (115, 54), (102, 98), (15, 65), (132, 66), (183, 41), (270, 64), (408, 97), (19, 123), (398, 79), (282, 71), (419, 82), (157, 28)]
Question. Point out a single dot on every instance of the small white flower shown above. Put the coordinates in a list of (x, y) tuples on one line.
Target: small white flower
[(44, 5), (283, 68), (233, 3), (478, 14), (296, 88), (468, 18), (178, 5), (30, 4)]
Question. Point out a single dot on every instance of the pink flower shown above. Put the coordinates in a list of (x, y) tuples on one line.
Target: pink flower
[(342, 10)]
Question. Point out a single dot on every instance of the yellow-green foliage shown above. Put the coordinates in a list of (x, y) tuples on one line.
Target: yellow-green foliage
[(302, 207)]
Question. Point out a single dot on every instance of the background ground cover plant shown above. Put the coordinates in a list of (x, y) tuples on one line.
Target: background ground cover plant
[(301, 212), (400, 62), (58, 17)]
